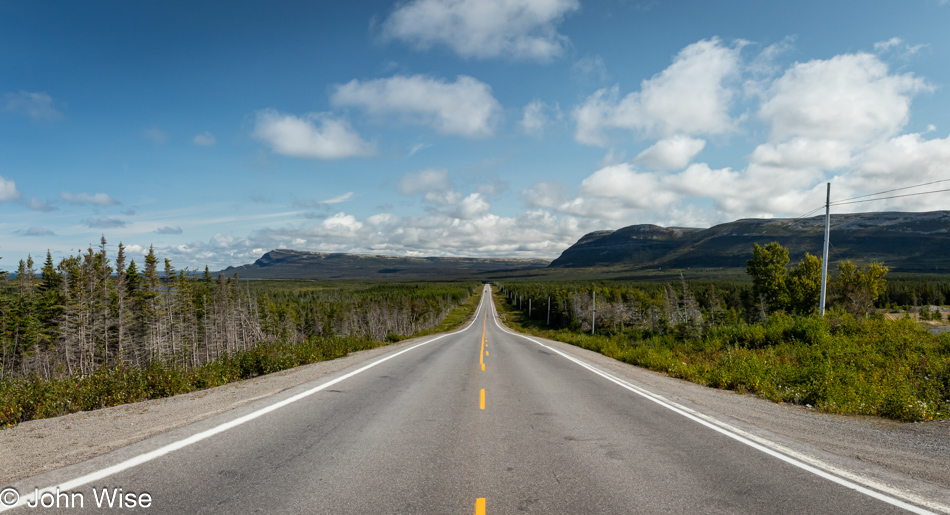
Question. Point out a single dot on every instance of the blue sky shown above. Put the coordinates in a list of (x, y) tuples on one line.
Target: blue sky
[(217, 131)]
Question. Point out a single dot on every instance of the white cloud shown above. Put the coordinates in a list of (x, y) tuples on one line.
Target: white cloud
[(85, 199), (803, 154), (432, 183), (546, 195), (301, 137), (589, 69), (636, 189), (850, 98), (8, 190), (535, 117), (692, 96), (901, 161), (671, 153), (471, 207), (883, 46), (205, 139), (418, 147), (341, 198), (38, 105), (514, 29), (465, 107), (341, 224)]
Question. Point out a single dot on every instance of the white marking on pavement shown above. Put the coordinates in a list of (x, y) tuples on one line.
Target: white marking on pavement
[(864, 485), (172, 447)]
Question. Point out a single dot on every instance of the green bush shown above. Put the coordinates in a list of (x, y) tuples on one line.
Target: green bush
[(838, 364)]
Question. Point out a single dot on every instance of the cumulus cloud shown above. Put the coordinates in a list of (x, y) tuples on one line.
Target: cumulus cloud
[(205, 139), (104, 223), (850, 98), (294, 136), (465, 107), (547, 195), (341, 224), (8, 190), (671, 153), (85, 199), (692, 96), (514, 29), (635, 188), (38, 105), (168, 230), (471, 207)]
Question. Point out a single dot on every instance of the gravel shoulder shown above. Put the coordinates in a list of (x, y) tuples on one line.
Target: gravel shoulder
[(38, 446), (919, 451)]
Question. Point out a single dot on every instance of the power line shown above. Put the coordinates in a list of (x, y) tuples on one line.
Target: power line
[(846, 201), (813, 211), (850, 201)]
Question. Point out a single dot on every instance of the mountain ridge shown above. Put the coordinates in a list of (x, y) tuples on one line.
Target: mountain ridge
[(314, 265), (907, 242)]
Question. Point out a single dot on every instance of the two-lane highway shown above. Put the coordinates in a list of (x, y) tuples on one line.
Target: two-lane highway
[(477, 421)]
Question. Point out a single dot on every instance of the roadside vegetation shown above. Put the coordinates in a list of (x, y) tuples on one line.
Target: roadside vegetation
[(91, 332), (763, 338)]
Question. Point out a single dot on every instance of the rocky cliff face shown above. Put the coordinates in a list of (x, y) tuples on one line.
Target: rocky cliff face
[(909, 242)]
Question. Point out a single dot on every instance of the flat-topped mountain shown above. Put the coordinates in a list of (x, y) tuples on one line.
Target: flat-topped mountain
[(905, 242), (302, 264)]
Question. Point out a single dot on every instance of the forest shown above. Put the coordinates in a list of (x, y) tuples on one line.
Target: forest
[(91, 331)]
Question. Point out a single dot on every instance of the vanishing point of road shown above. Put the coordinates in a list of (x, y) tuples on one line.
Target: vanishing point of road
[(477, 421)]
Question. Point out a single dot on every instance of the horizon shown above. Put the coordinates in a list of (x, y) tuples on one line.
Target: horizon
[(438, 128)]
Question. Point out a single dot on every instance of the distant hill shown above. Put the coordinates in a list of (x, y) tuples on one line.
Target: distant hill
[(302, 264), (905, 242)]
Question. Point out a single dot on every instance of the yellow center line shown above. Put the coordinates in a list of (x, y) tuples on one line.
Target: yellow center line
[(481, 402), (483, 353), (480, 506)]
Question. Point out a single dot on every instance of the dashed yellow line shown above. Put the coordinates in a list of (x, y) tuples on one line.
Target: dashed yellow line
[(481, 402), (483, 352), (480, 506)]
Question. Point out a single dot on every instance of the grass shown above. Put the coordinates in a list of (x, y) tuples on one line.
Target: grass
[(36, 398), (892, 369)]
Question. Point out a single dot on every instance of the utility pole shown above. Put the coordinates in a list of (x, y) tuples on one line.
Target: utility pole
[(549, 310), (529, 308), (593, 311), (824, 254)]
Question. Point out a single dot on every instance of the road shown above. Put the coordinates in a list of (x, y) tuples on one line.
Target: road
[(476, 421)]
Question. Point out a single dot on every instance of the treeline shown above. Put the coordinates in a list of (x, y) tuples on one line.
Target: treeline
[(381, 312), (764, 337), (89, 312)]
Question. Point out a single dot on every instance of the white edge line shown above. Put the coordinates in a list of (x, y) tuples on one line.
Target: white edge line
[(172, 447), (783, 453)]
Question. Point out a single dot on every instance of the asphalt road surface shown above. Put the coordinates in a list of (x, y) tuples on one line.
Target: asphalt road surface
[(477, 421)]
